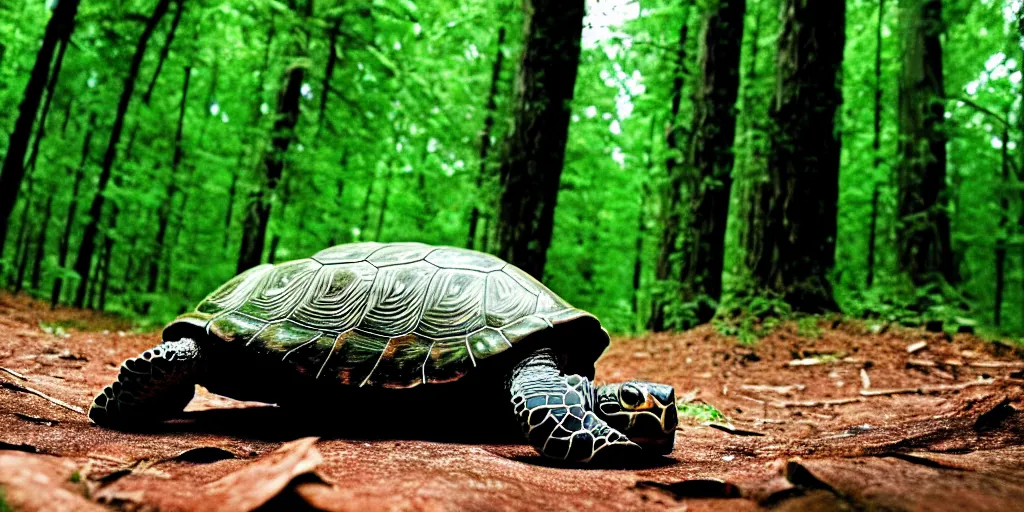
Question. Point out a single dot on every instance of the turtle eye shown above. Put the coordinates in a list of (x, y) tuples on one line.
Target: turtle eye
[(631, 397)]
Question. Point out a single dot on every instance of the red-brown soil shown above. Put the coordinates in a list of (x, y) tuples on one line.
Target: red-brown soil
[(950, 440)]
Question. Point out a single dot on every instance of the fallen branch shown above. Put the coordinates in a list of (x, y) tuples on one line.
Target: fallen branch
[(996, 364), (810, 361), (782, 390), (729, 429), (23, 389), (925, 390), (12, 372), (818, 403)]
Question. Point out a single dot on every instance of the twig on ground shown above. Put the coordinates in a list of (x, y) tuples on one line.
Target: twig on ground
[(865, 380), (14, 373), (916, 347), (819, 403), (729, 429), (810, 361), (925, 390), (996, 364), (782, 390), (23, 389)]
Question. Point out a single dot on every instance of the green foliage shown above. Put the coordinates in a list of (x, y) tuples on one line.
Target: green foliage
[(750, 317), (75, 477), (395, 154), (700, 412)]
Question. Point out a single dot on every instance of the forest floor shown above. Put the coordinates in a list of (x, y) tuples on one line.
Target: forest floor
[(847, 417)]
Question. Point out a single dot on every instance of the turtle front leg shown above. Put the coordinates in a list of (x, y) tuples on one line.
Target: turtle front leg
[(556, 413), (150, 388)]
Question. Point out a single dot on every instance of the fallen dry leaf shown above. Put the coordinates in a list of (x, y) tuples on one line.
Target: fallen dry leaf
[(258, 482)]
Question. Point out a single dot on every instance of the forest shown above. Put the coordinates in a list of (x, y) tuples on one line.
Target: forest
[(660, 163)]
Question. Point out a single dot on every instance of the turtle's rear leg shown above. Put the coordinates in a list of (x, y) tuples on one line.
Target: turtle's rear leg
[(556, 413), (152, 387)]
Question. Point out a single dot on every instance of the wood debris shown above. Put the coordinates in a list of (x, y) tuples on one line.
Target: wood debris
[(781, 390), (917, 347), (24, 389), (925, 390), (865, 380)]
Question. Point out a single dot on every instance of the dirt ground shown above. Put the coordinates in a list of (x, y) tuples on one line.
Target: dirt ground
[(848, 418)]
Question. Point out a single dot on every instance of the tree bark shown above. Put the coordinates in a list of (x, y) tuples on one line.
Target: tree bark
[(485, 138), (254, 230), (63, 247), (711, 158), (795, 252), (535, 149), (923, 230), (671, 209), (88, 246), (59, 27)]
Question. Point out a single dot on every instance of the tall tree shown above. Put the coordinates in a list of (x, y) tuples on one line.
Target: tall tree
[(257, 213), (876, 146), (531, 167), (711, 157), (485, 138), (671, 208), (59, 27), (923, 230), (88, 246), (794, 253)]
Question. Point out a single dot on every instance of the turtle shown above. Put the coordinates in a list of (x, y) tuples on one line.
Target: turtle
[(363, 323)]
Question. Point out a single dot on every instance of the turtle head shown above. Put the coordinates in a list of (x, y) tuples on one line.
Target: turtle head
[(644, 411)]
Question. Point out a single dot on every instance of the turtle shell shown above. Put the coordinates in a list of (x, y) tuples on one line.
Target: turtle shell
[(390, 315)]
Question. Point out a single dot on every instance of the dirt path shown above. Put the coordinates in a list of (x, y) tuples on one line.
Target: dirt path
[(838, 421)]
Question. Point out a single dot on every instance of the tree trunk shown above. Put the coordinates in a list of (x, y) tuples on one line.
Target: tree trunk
[(59, 27), (163, 216), (63, 247), (485, 138), (165, 50), (384, 204), (1004, 226), (21, 242), (671, 214), (795, 252), (873, 236), (325, 86), (923, 231), (711, 158), (254, 230), (51, 85), (37, 260), (85, 251), (231, 205), (535, 149), (876, 145), (641, 223)]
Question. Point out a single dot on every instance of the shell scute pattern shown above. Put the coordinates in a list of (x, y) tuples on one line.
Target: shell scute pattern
[(280, 290), (391, 315), (337, 297)]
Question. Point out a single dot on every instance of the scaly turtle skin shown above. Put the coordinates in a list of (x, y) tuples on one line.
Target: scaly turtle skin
[(396, 316)]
